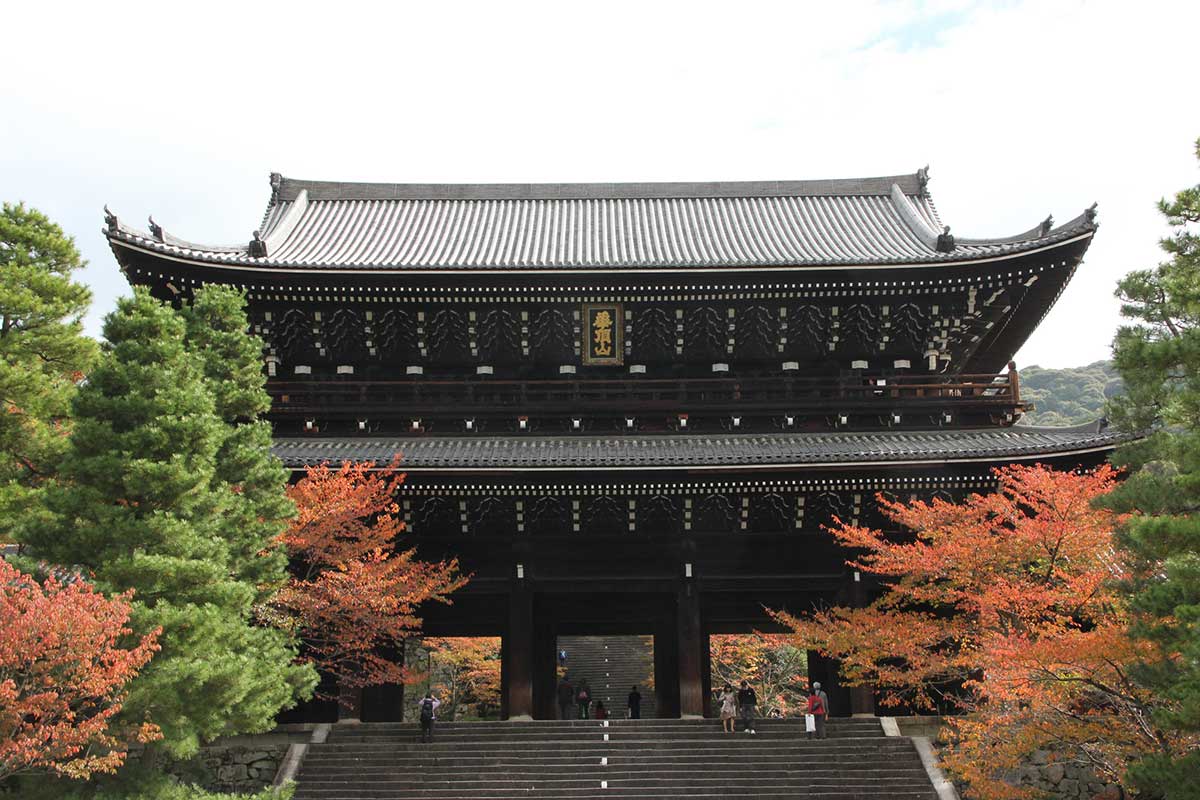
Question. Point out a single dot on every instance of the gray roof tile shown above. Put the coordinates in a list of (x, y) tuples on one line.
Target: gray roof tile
[(325, 225), (699, 451)]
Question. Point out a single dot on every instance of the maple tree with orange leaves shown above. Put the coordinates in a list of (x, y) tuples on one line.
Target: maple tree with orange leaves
[(1005, 608), (464, 673), (67, 655), (771, 663), (354, 594)]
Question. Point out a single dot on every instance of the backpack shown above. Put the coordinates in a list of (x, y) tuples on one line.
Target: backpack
[(426, 710)]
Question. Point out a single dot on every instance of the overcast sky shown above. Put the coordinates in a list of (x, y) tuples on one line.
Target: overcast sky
[(1022, 109)]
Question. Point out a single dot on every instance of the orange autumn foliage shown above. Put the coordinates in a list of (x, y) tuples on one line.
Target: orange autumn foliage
[(771, 663), (464, 671), (355, 593), (66, 658), (1004, 607)]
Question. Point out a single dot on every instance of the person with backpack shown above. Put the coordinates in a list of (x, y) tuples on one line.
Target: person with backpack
[(747, 700), (818, 708), (566, 698), (428, 706), (583, 698), (601, 711)]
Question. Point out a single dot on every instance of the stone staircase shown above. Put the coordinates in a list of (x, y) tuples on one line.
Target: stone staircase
[(612, 664), (630, 759)]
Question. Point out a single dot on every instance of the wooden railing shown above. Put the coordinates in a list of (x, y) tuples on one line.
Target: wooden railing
[(482, 395)]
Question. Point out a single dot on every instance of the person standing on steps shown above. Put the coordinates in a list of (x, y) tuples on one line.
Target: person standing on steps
[(428, 706), (566, 698), (584, 698), (728, 700), (747, 700), (818, 706), (562, 658), (601, 711), (635, 703)]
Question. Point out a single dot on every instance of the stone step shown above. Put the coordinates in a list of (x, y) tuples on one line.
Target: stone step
[(645, 759), (589, 724), (630, 662), (629, 793), (763, 751)]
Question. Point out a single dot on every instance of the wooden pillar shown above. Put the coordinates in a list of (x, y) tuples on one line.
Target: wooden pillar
[(349, 703), (666, 665), (385, 702), (545, 666), (688, 629), (517, 664), (862, 698), (710, 709)]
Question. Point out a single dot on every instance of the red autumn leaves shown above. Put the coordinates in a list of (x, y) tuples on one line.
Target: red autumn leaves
[(66, 655), (354, 594)]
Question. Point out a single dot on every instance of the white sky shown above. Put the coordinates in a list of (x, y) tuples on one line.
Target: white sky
[(1021, 108)]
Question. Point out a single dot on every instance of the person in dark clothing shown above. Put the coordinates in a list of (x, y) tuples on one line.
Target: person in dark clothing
[(428, 706), (566, 698), (635, 703), (601, 711), (584, 698), (562, 658), (747, 700)]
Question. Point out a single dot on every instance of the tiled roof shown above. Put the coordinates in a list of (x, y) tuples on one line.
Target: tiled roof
[(407, 227), (699, 451)]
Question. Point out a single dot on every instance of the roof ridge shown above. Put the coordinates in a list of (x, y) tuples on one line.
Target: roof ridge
[(287, 189)]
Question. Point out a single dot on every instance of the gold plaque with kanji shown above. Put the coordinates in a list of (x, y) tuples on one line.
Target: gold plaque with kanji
[(603, 334)]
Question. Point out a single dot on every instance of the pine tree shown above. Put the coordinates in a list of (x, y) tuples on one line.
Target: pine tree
[(259, 509), (1158, 356), (43, 353), (140, 504)]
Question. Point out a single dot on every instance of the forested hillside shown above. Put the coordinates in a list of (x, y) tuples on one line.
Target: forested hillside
[(1068, 396)]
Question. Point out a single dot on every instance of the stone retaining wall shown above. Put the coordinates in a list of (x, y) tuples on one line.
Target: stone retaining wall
[(1058, 780), (240, 763), (1063, 779)]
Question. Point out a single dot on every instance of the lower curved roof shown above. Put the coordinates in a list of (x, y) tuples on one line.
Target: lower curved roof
[(697, 451)]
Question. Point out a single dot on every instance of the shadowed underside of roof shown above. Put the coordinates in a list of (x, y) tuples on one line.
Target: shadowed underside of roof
[(697, 451), (445, 227)]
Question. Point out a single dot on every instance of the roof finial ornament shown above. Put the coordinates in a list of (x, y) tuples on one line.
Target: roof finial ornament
[(923, 177), (276, 185), (155, 229), (1091, 212), (1047, 224), (258, 247), (945, 242), (110, 219)]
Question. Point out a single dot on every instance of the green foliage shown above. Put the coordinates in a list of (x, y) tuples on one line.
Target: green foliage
[(1069, 396), (1158, 355), (259, 509), (43, 353), (143, 502), (138, 782)]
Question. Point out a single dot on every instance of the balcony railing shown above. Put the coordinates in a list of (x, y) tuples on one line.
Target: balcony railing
[(483, 395)]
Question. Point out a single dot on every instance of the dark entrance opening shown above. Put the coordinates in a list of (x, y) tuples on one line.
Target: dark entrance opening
[(610, 666)]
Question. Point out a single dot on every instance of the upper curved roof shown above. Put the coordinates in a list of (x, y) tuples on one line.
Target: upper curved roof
[(608, 226)]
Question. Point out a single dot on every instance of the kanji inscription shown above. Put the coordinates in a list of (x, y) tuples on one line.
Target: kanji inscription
[(603, 334)]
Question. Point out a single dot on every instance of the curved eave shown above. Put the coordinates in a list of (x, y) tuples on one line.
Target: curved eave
[(225, 262), (471, 456)]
